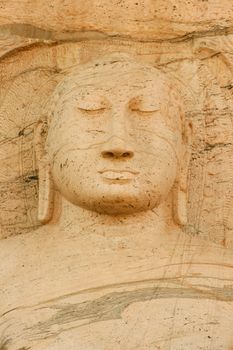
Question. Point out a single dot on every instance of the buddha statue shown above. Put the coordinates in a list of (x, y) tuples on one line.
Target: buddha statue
[(111, 267)]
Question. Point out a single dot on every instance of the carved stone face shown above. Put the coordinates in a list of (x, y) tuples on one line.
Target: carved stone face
[(114, 141)]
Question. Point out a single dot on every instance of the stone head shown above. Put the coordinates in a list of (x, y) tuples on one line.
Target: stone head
[(115, 139)]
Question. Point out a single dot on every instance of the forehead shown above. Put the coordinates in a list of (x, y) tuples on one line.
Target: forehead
[(118, 78)]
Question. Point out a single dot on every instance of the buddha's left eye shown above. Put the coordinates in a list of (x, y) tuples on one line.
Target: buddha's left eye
[(143, 106), (144, 111)]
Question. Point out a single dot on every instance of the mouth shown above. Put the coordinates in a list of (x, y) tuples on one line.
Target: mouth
[(118, 176)]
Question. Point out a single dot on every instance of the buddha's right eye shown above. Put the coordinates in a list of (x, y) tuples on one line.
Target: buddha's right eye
[(92, 110), (90, 104)]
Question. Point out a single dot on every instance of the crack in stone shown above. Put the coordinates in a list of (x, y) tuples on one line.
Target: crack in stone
[(112, 305), (33, 32)]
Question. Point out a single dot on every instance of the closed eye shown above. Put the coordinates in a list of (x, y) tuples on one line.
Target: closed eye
[(144, 112), (91, 110)]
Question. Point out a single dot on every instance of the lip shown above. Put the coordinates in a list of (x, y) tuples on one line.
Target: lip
[(120, 176)]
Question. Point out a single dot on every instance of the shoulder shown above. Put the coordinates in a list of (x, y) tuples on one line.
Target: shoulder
[(211, 251), (210, 259), (21, 261), (17, 253), (13, 247)]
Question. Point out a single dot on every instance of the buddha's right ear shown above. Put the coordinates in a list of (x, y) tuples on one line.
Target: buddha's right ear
[(46, 185)]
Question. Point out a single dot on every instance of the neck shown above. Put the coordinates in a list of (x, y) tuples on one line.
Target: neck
[(71, 219)]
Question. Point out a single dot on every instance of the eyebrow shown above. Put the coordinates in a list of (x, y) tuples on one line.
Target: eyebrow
[(141, 99)]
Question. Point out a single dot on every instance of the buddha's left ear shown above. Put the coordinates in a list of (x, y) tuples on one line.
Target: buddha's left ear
[(46, 186), (180, 188)]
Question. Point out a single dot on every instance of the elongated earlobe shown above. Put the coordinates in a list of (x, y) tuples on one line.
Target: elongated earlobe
[(46, 193), (46, 186), (179, 206), (180, 189)]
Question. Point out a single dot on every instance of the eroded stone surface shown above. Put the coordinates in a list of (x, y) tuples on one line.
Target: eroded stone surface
[(116, 177), (144, 20)]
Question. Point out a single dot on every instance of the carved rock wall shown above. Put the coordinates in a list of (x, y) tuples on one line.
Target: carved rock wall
[(109, 284), (192, 42)]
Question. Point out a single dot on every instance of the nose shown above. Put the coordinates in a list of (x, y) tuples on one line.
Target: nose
[(118, 146), (117, 152)]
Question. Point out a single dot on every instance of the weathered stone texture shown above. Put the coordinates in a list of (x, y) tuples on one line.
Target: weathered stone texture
[(106, 108)]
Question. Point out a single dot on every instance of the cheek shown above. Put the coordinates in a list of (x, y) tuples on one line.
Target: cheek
[(155, 133), (159, 151), (72, 168), (163, 172), (66, 176), (74, 133), (160, 165)]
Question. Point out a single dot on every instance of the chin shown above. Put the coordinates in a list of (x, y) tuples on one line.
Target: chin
[(117, 205), (117, 201), (116, 208)]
